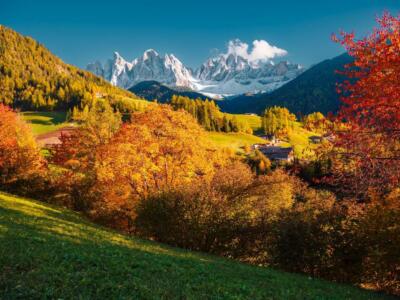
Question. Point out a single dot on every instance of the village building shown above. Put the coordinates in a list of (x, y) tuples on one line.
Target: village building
[(315, 139), (271, 138), (277, 153)]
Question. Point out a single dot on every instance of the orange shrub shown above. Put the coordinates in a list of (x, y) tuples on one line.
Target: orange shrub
[(20, 157)]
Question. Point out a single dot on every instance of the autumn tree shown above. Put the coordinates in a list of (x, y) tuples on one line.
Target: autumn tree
[(99, 123), (20, 157), (277, 120), (160, 149), (367, 150), (316, 122)]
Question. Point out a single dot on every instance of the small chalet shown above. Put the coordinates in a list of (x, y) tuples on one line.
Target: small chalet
[(315, 139), (277, 153), (271, 138)]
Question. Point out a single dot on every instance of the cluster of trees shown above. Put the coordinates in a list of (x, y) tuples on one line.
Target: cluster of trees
[(277, 120), (277, 220), (208, 114), (119, 165), (31, 77), (316, 122)]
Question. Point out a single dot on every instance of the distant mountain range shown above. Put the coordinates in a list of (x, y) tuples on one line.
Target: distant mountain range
[(313, 90), (221, 75), (31, 77), (153, 90)]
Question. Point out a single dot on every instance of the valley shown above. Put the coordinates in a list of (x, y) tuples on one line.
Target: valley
[(239, 175)]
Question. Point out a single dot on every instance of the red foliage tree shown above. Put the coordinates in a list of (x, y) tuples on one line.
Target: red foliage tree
[(368, 148), (20, 157)]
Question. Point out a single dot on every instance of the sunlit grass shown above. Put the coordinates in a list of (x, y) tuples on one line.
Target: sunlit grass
[(253, 121), (299, 139), (44, 122), (234, 141), (50, 252)]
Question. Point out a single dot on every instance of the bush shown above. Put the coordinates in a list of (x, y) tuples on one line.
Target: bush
[(20, 159), (205, 217), (219, 216), (277, 220)]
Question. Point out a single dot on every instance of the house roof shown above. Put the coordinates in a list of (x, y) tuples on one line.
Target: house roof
[(276, 152)]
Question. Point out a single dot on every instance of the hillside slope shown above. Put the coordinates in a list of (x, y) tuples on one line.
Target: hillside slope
[(31, 77), (49, 252), (314, 90)]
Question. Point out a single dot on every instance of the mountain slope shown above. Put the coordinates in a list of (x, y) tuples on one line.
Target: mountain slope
[(151, 90), (31, 77), (49, 252), (313, 90)]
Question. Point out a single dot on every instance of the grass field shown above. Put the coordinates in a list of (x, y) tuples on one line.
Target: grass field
[(298, 138), (253, 121), (44, 122), (234, 141), (51, 253)]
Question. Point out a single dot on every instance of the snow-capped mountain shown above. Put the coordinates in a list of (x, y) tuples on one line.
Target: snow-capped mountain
[(232, 73), (151, 66)]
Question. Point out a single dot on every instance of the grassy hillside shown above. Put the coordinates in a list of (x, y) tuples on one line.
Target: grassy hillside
[(44, 122), (49, 252), (298, 138), (234, 141), (253, 121)]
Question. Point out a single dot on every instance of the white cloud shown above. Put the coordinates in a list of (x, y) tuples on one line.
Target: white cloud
[(261, 50)]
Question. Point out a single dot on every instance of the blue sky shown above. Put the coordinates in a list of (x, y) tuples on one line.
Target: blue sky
[(83, 31)]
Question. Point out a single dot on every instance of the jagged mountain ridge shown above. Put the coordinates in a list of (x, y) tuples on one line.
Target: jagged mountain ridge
[(151, 66), (224, 74)]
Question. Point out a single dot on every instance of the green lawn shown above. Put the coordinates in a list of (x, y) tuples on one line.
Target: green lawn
[(234, 141), (43, 122), (48, 252)]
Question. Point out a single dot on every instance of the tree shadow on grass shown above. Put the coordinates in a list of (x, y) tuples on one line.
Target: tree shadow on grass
[(54, 118)]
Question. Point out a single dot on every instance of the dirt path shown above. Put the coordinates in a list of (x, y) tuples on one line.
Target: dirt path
[(53, 138)]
